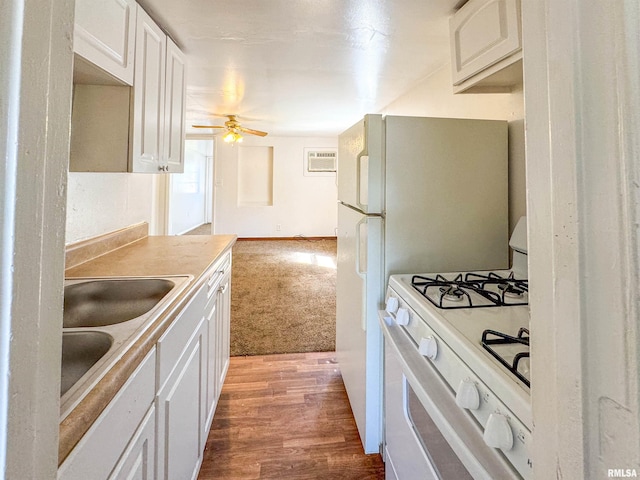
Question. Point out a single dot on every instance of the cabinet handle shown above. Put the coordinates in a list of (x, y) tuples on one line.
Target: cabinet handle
[(223, 288)]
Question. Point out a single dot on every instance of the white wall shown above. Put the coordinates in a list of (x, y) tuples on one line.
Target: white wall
[(98, 203), (302, 205), (434, 97)]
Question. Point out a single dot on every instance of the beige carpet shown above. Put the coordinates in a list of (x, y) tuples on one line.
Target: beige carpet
[(283, 296)]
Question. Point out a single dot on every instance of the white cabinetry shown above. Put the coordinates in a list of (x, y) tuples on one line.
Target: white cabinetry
[(218, 314), (223, 325), (141, 129), (158, 106), (181, 399), (174, 108), (486, 46), (122, 438), (156, 426), (138, 461), (104, 35)]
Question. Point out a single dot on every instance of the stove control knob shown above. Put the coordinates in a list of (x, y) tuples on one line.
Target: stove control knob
[(497, 432), (468, 396), (392, 305), (428, 347), (402, 316)]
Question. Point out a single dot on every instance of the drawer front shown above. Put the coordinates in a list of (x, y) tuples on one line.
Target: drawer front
[(216, 272), (98, 451), (174, 340)]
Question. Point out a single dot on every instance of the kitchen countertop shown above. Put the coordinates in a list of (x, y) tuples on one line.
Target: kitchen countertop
[(149, 256)]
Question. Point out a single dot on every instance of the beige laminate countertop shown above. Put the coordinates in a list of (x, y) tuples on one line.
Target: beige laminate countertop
[(149, 256), (165, 255)]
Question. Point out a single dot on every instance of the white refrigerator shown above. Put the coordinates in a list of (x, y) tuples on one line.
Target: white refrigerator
[(415, 195)]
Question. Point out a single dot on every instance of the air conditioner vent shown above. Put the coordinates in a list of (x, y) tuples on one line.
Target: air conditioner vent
[(321, 161)]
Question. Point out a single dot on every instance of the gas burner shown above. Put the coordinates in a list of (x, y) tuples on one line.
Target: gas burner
[(458, 292), (444, 293), (512, 291), (451, 293)]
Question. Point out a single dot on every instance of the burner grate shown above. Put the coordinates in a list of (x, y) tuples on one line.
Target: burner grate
[(504, 339), (512, 290), (471, 291), (439, 289)]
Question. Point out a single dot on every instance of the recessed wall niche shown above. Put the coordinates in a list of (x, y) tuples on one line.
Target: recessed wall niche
[(255, 176)]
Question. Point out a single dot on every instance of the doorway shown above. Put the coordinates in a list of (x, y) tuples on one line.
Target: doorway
[(191, 193)]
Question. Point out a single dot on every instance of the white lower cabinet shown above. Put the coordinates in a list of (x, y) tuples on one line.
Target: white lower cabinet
[(182, 394), (223, 314), (115, 440), (218, 313), (181, 412), (156, 426), (139, 462)]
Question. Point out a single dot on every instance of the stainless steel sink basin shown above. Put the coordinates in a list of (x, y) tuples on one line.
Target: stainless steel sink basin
[(80, 352), (103, 317), (103, 302)]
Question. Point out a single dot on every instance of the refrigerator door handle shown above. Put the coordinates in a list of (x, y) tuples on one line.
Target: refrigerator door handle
[(359, 262), (362, 190)]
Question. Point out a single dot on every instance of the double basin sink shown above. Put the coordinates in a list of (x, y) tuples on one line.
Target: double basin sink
[(102, 318)]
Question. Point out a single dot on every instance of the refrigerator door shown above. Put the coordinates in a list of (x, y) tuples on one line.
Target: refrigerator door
[(359, 287), (446, 201), (361, 166)]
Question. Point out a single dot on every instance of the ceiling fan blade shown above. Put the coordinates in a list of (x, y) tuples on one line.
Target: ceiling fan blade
[(252, 132), (207, 126)]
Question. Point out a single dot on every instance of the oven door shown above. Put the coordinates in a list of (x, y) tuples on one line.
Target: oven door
[(427, 435), (414, 447)]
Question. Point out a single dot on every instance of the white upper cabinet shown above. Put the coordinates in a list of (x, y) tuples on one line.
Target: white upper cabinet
[(486, 46), (148, 93), (138, 127), (174, 108), (104, 34), (159, 101)]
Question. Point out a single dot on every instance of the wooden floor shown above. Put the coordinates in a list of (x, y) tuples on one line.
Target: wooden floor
[(286, 417)]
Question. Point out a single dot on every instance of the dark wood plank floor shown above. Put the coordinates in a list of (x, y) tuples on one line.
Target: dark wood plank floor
[(286, 417)]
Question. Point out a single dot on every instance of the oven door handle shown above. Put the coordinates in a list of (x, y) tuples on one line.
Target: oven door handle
[(455, 424)]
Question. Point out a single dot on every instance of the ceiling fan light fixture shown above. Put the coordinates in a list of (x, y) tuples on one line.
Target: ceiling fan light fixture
[(232, 130), (232, 137), (229, 137)]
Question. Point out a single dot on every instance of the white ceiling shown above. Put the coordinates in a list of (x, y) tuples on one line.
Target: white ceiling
[(302, 67)]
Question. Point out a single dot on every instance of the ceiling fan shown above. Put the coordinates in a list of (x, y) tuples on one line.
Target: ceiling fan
[(233, 130)]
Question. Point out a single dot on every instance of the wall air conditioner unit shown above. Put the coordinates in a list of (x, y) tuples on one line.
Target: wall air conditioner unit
[(320, 161)]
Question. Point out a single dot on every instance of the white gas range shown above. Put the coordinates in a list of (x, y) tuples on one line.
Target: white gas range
[(457, 401)]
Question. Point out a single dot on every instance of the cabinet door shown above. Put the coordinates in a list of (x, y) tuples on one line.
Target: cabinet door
[(181, 412), (148, 104), (483, 32), (174, 110), (104, 34), (223, 314), (102, 447), (213, 389), (138, 461)]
